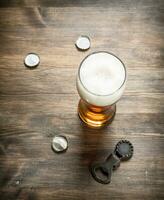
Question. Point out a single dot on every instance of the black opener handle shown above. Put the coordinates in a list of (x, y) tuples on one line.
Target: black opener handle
[(102, 172)]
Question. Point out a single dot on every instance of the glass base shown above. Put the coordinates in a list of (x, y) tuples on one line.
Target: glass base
[(95, 116)]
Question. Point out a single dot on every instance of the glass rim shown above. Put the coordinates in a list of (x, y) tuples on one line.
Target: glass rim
[(96, 52)]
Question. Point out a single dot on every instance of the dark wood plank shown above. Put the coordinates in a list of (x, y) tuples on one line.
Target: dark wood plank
[(82, 3), (37, 82), (46, 27), (46, 169), (37, 104)]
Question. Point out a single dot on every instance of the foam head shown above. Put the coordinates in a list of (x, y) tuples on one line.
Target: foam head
[(101, 79)]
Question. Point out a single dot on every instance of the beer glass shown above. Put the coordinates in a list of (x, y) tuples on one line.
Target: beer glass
[(100, 83)]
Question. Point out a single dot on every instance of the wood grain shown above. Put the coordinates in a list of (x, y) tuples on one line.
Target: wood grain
[(35, 105)]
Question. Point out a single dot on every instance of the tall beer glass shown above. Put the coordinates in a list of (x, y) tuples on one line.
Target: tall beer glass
[(100, 83)]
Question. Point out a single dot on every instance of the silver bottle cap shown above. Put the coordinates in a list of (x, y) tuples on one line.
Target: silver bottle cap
[(32, 60), (59, 143), (83, 42)]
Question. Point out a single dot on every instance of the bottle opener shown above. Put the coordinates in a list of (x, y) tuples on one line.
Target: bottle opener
[(102, 172)]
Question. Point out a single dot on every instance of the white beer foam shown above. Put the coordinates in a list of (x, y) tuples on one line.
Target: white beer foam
[(101, 80)]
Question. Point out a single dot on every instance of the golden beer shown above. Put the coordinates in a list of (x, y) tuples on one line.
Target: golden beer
[(96, 116), (100, 84)]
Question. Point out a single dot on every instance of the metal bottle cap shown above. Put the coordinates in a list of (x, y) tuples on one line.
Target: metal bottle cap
[(59, 143), (32, 60), (124, 150), (83, 42)]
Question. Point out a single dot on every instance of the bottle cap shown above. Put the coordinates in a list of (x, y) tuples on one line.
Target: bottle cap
[(59, 143), (124, 149), (83, 42), (32, 60)]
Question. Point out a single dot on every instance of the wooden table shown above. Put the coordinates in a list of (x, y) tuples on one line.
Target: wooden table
[(35, 105)]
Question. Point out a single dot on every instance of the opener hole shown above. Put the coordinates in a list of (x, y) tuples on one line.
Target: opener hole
[(101, 174)]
